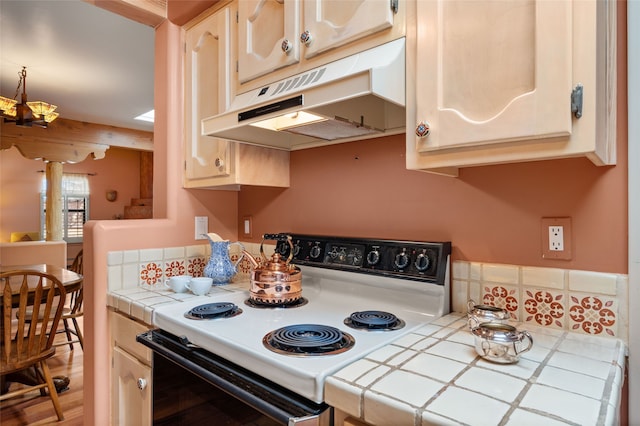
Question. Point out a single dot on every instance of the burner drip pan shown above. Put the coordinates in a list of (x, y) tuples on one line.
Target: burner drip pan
[(213, 311), (254, 303), (308, 340), (374, 321)]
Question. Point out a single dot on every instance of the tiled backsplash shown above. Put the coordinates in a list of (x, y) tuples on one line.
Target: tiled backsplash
[(579, 301), (585, 302), (151, 267)]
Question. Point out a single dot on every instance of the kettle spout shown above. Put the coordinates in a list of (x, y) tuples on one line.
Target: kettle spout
[(252, 260)]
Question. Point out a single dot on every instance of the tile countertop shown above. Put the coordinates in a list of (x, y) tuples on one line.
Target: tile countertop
[(434, 376), (139, 302)]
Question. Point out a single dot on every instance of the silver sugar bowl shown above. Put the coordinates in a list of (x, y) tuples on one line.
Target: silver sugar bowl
[(501, 343), (479, 314)]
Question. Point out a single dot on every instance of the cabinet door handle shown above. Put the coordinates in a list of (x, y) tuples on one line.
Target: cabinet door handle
[(142, 384), (422, 129), (306, 38), (286, 46)]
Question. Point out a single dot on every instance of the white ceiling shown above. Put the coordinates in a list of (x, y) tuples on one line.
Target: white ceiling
[(95, 65)]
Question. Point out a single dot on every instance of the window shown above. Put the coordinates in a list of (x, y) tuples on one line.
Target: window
[(75, 206)]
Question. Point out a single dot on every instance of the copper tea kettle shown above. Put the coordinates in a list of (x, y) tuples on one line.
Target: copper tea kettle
[(276, 281)]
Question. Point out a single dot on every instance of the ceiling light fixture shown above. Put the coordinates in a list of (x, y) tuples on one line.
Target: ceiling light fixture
[(26, 113)]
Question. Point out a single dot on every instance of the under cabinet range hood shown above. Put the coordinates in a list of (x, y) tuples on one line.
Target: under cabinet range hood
[(358, 97)]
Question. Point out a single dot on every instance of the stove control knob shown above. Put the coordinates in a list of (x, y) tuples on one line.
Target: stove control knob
[(315, 252), (283, 250), (422, 262), (402, 260), (142, 383), (356, 257), (373, 257), (334, 253), (342, 256)]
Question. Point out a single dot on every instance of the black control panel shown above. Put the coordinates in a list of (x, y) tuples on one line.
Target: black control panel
[(422, 261)]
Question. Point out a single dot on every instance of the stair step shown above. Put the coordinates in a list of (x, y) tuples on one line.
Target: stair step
[(142, 201), (138, 212)]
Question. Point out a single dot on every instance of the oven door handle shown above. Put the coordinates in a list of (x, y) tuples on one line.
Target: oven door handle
[(290, 410)]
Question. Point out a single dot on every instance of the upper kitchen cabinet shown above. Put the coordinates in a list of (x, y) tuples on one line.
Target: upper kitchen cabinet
[(268, 32), (212, 162), (497, 82), (273, 34)]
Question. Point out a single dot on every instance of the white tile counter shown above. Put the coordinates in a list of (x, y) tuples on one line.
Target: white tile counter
[(434, 376), (139, 302)]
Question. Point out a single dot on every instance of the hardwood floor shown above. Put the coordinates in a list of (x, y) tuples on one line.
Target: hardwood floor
[(32, 409)]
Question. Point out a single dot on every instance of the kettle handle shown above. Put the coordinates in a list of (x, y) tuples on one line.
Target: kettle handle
[(241, 253), (525, 334), (277, 237)]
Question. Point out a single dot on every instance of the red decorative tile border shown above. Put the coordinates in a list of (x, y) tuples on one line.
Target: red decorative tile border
[(151, 273), (174, 268), (593, 315), (502, 297), (548, 308), (195, 266), (544, 307)]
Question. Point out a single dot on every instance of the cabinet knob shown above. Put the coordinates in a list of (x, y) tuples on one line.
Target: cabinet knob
[(142, 383), (422, 130), (219, 163), (306, 38), (286, 46)]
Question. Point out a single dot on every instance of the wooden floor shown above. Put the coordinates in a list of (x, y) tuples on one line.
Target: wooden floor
[(33, 409)]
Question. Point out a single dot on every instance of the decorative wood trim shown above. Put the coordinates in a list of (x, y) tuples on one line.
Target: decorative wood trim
[(70, 141), (147, 12)]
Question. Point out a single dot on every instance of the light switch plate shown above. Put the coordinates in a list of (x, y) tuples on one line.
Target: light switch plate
[(247, 226), (202, 227)]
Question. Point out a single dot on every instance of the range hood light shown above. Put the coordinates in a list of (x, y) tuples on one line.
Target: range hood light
[(289, 120)]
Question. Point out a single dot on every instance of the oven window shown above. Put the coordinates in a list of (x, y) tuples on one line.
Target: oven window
[(182, 398)]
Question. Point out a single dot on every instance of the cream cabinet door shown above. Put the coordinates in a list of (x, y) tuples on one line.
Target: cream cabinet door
[(491, 72), (131, 390), (268, 36), (332, 23), (207, 93)]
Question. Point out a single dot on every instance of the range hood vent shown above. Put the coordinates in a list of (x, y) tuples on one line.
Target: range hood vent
[(357, 97)]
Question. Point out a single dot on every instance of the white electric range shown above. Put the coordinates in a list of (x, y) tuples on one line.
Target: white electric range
[(388, 287)]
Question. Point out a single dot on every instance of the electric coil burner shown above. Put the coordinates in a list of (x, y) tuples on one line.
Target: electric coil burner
[(308, 339), (374, 321), (213, 311), (255, 303)]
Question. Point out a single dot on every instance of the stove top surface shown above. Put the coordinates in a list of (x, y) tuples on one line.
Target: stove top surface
[(331, 297), (239, 338)]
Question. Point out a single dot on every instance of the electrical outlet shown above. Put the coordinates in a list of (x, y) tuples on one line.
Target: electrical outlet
[(556, 238)]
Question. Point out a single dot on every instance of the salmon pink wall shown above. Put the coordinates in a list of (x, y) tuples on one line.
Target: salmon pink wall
[(172, 226), (20, 187), (491, 214)]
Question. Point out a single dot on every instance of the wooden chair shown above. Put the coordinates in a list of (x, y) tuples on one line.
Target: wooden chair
[(28, 342), (74, 310)]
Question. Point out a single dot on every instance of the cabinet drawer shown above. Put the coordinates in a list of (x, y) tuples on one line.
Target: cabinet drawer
[(123, 334)]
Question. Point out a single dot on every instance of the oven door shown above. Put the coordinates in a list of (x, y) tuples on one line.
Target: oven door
[(191, 385)]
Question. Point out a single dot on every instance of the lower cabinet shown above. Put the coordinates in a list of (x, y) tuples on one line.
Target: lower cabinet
[(131, 387), (341, 418)]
